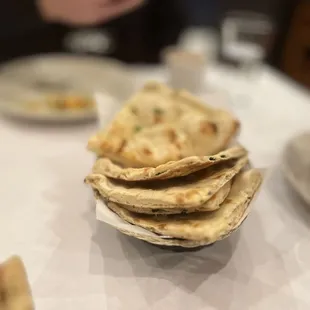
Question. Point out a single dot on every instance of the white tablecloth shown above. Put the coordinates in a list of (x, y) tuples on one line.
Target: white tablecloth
[(47, 217)]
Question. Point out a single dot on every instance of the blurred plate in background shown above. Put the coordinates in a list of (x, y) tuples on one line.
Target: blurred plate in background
[(60, 87), (296, 163)]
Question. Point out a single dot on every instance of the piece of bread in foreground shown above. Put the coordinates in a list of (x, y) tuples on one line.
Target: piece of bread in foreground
[(15, 292)]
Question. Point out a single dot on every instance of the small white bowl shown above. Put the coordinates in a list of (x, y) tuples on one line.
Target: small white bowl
[(185, 69)]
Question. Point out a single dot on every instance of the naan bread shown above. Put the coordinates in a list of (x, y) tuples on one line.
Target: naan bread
[(15, 293), (159, 124), (204, 226), (209, 129), (210, 205), (168, 170), (187, 192)]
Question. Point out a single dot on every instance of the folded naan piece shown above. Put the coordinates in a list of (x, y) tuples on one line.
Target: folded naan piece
[(210, 205), (184, 193), (15, 293), (159, 125), (168, 170), (204, 226)]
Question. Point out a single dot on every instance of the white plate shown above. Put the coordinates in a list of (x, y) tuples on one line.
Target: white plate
[(296, 165), (33, 78)]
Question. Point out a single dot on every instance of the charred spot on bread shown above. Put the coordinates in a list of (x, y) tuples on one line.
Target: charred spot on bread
[(214, 127), (146, 151), (172, 135), (122, 146), (207, 127)]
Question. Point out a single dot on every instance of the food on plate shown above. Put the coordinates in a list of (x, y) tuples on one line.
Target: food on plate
[(167, 170), (70, 103), (183, 194), (296, 164), (15, 292), (159, 125), (62, 103), (202, 226)]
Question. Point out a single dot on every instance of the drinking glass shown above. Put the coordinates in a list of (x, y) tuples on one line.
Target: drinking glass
[(246, 39)]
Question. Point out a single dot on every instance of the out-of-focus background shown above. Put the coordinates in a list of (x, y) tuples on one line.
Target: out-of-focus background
[(140, 35)]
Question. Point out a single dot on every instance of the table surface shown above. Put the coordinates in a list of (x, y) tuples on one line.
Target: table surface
[(75, 262)]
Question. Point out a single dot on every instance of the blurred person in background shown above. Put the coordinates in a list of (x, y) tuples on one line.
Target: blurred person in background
[(129, 30)]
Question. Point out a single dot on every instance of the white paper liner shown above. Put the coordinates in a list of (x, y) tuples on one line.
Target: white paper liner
[(105, 215)]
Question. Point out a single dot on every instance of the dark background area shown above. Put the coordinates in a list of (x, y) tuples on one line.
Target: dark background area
[(209, 13), (140, 36), (290, 52)]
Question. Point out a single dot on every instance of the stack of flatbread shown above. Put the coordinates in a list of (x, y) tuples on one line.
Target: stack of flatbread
[(168, 164)]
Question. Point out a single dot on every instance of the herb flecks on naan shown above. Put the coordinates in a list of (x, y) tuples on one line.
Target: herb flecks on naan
[(168, 170), (159, 124), (204, 226), (187, 192)]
